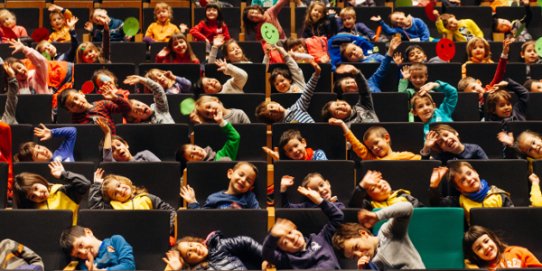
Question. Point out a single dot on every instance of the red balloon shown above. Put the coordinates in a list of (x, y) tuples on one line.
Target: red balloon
[(87, 87), (445, 49), (429, 11)]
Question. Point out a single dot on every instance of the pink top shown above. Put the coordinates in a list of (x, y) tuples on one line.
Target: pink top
[(37, 77)]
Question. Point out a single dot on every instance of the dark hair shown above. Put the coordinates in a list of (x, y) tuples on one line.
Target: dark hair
[(493, 98), (107, 72), (22, 183), (67, 237), (291, 42), (495, 24), (472, 234), (263, 114), (347, 231), (326, 113), (25, 152), (285, 138), (308, 177), (64, 96), (412, 48), (219, 17), (250, 25), (189, 50), (528, 84), (279, 71)]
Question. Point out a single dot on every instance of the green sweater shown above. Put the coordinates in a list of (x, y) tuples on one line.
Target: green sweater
[(231, 147)]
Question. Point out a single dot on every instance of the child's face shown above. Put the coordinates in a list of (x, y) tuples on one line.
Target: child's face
[(449, 141), (211, 14), (475, 87), (8, 21), (211, 85), (417, 55), (38, 193), (340, 109), (467, 180), (378, 145), (296, 149), (49, 49), (140, 111), (317, 12), (179, 46), (503, 108), (121, 151), (104, 79), (349, 21), (320, 185), (531, 145), (485, 248), (400, 19), (358, 247), (418, 78), (254, 15), (452, 24), (90, 55), (21, 72), (83, 245), (293, 242), (161, 78), (503, 26), (100, 18), (118, 191), (241, 179), (282, 84), (423, 108), (275, 110), (41, 153), (192, 252), (536, 86), (299, 48), (194, 153), (478, 53), (209, 109), (529, 54), (349, 85), (379, 190), (57, 21), (162, 15), (235, 53), (353, 53), (76, 102)]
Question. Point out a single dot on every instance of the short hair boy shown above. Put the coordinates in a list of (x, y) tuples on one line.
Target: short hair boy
[(112, 253), (425, 108), (98, 18), (395, 250), (533, 85), (348, 18), (443, 143)]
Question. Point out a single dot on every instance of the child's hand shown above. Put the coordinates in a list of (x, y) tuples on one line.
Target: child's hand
[(218, 116), (43, 132), (172, 260), (534, 179), (56, 168), (370, 178), (436, 13), (163, 53), (274, 154), (170, 75), (102, 123), (367, 218), (99, 175), (317, 68), (427, 88), (346, 69), (134, 79), (9, 70), (16, 45), (218, 41), (405, 72), (376, 18), (394, 43), (88, 26), (282, 227), (53, 7), (436, 176), (325, 59), (183, 28), (109, 91), (222, 65), (285, 182), (188, 194), (89, 263), (506, 138), (268, 48), (194, 117), (506, 45), (363, 261), (431, 139), (500, 85), (313, 195), (398, 58), (338, 122), (71, 22)]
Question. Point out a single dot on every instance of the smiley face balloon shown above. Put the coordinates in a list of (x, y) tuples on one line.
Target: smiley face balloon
[(269, 33), (445, 49), (538, 46)]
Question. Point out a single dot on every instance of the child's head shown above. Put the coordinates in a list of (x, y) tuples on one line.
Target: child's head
[(400, 19), (423, 106), (281, 79), (292, 145), (242, 177), (338, 109), (501, 25), (377, 139), (192, 251), (530, 144), (351, 52), (415, 54), (270, 112), (482, 246), (213, 13), (102, 77), (448, 140), (449, 21), (469, 84), (78, 242), (478, 49), (30, 151), (295, 45), (315, 181), (159, 76), (190, 152), (207, 85), (57, 19), (348, 17), (178, 44), (21, 71), (163, 12), (139, 112), (7, 18), (74, 101), (464, 177), (292, 242), (87, 52), (120, 149), (46, 47), (315, 12), (207, 106), (499, 103), (233, 52), (528, 52), (418, 75), (345, 84), (99, 16), (533, 85), (30, 189), (118, 188), (354, 241), (252, 15)]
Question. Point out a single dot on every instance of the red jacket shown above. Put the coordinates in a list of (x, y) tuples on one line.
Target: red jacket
[(208, 30)]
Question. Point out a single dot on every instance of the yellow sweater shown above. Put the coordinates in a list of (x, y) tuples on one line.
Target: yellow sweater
[(63, 34), (363, 153), (59, 201), (162, 32), (465, 28)]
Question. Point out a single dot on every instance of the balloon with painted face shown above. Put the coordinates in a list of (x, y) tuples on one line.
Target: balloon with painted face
[(269, 33), (445, 49), (538, 46)]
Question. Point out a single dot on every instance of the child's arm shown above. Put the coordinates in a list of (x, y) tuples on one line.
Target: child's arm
[(376, 79), (295, 71), (403, 82), (95, 198), (275, 9), (440, 24), (70, 54), (125, 254), (366, 31), (385, 27), (424, 35), (243, 247), (11, 102), (436, 198), (39, 62), (159, 204), (334, 214), (107, 152), (218, 41), (474, 28), (114, 103), (32, 260), (77, 185), (70, 136), (536, 195), (359, 148), (196, 32), (520, 107), (159, 95), (359, 197), (186, 85), (304, 101), (233, 139), (285, 182), (450, 97), (239, 77), (189, 195), (430, 141), (269, 251), (399, 217)]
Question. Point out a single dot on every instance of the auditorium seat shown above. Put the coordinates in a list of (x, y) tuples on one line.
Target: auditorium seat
[(483, 17), (252, 50), (485, 72), (389, 106), (3, 179), (40, 104), (244, 101), (391, 79), (128, 52), (466, 108), (20, 133)]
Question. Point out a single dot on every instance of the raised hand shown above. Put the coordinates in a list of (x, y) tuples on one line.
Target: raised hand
[(506, 45), (338, 122), (218, 40), (273, 153), (183, 28), (313, 195), (99, 175), (53, 7), (370, 178), (71, 22), (88, 26), (104, 126), (16, 45), (431, 139), (282, 227), (163, 53), (317, 68), (346, 69), (9, 70), (405, 72), (376, 18), (56, 168), (285, 182), (428, 87), (172, 260), (506, 138), (436, 176), (222, 65), (188, 194), (534, 179), (218, 116), (367, 218), (134, 79), (398, 58), (170, 75), (394, 43), (42, 132), (109, 91)]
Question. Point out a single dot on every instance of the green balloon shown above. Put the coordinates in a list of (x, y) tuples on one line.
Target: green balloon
[(538, 46), (187, 106), (269, 33), (131, 26)]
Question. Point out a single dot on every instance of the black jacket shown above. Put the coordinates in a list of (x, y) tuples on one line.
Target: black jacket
[(237, 253)]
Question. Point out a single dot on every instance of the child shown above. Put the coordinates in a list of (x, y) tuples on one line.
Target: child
[(415, 54), (10, 107), (271, 112), (34, 191), (313, 181), (157, 113), (207, 108), (528, 143), (30, 81), (350, 52), (475, 192), (499, 103), (390, 249), (359, 48), (377, 144), (375, 192), (30, 151), (231, 51), (288, 81), (425, 108), (254, 16), (443, 143), (349, 24), (16, 256), (115, 148), (178, 50), (6, 157), (533, 85), (318, 21), (49, 50), (529, 55), (119, 193), (414, 75), (88, 53), (298, 50), (235, 84), (100, 21), (287, 248), (84, 112), (239, 194), (461, 30), (510, 28), (478, 51), (293, 146), (484, 249), (162, 29), (410, 28), (104, 79), (9, 30), (171, 83), (214, 253), (112, 253), (58, 18), (213, 25)]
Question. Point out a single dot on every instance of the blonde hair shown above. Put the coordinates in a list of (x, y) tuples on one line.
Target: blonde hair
[(472, 43), (83, 47), (347, 11), (113, 177), (95, 11), (308, 19), (206, 99), (161, 5), (5, 13)]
